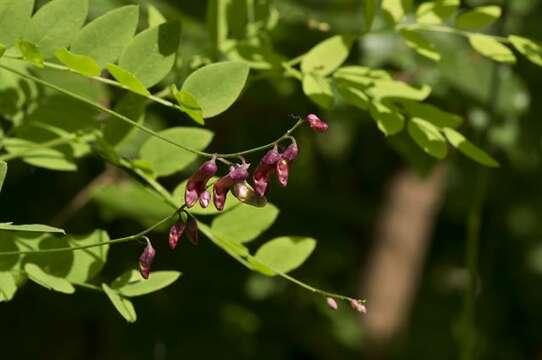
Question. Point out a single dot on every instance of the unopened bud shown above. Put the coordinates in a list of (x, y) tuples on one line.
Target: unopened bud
[(192, 230), (197, 184), (316, 123), (145, 260), (205, 199), (291, 152), (358, 306), (271, 157), (282, 172), (175, 234), (332, 303)]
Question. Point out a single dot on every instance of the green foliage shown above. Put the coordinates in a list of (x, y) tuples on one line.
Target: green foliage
[(48, 281), (283, 254), (3, 172), (478, 17), (14, 17), (79, 63), (396, 9), (30, 228), (428, 137), (8, 286), (420, 44), (435, 12), (529, 48), (369, 13), (491, 48), (128, 80), (469, 149), (30, 53), (327, 56), (189, 104), (131, 283), (123, 305), (318, 89)]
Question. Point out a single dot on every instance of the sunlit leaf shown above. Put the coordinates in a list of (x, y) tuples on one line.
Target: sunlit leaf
[(491, 48), (189, 104), (532, 50), (428, 137), (354, 96), (131, 283), (469, 149), (129, 80), (283, 254), (31, 228), (123, 306), (420, 44), (388, 118), (327, 55), (3, 172), (154, 16), (318, 89), (435, 12), (48, 281), (41, 157), (14, 17), (79, 63), (398, 90), (396, 9), (478, 17), (30, 53), (8, 286)]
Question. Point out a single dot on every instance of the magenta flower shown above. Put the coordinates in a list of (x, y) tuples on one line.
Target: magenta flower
[(265, 169), (316, 123), (332, 303), (196, 188), (282, 172), (192, 230), (175, 234), (291, 152), (238, 173), (145, 260)]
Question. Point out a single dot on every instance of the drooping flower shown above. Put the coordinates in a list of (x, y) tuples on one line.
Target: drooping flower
[(316, 123), (265, 169), (175, 233), (291, 152), (238, 173), (358, 306), (282, 172), (197, 184), (192, 230), (145, 260), (332, 303), (247, 195)]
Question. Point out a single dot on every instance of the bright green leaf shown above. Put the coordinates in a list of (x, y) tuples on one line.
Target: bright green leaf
[(360, 75), (398, 90), (154, 16), (283, 254), (105, 38), (31, 228), (47, 158), (127, 79), (420, 44), (388, 119), (151, 54), (432, 114), (123, 306), (56, 24), (491, 48), (353, 96), (8, 286), (327, 55), (428, 137), (50, 282), (469, 149), (3, 171), (435, 12), (189, 104), (79, 63), (30, 53), (318, 89), (14, 18), (532, 50), (244, 223), (217, 86), (131, 283), (167, 159), (396, 9), (87, 263), (478, 17)]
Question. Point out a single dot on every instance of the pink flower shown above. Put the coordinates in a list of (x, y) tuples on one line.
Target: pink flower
[(175, 234), (196, 188), (265, 169), (316, 123), (145, 260), (358, 306), (238, 173), (282, 172), (332, 303)]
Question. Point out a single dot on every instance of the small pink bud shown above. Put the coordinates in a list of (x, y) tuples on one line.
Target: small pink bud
[(238, 173), (175, 234), (332, 303), (291, 152), (197, 184), (271, 157), (282, 172), (192, 230), (358, 306), (316, 123), (145, 260), (205, 199)]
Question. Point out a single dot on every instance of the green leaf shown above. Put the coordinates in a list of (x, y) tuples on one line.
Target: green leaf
[(478, 18), (50, 282), (396, 9), (123, 306), (360, 75), (398, 90), (105, 38), (388, 119), (428, 137), (370, 8), (128, 80), (283, 254), (8, 286), (31, 227), (318, 89), (78, 63), (256, 56), (167, 159), (131, 283), (178, 195), (432, 114), (154, 16), (14, 17), (3, 172), (327, 55), (52, 159), (532, 50), (217, 86), (435, 12), (491, 48), (244, 223), (353, 96), (133, 107), (30, 53), (56, 24), (2, 52), (189, 104), (151, 54), (420, 44), (469, 149), (87, 263)]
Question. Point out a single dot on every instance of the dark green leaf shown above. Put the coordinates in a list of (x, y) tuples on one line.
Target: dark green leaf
[(353, 96), (478, 17), (3, 172), (432, 114), (420, 44), (370, 8)]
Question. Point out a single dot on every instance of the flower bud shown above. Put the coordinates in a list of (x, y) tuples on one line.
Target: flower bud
[(358, 306), (192, 230), (271, 157), (197, 184), (247, 195), (238, 173), (282, 172), (205, 199), (316, 123), (145, 260), (332, 303), (175, 234), (291, 152)]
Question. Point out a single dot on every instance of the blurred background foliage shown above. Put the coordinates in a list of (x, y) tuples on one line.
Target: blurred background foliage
[(340, 189)]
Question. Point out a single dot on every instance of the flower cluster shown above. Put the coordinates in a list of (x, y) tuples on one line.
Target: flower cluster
[(274, 162), (357, 305)]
